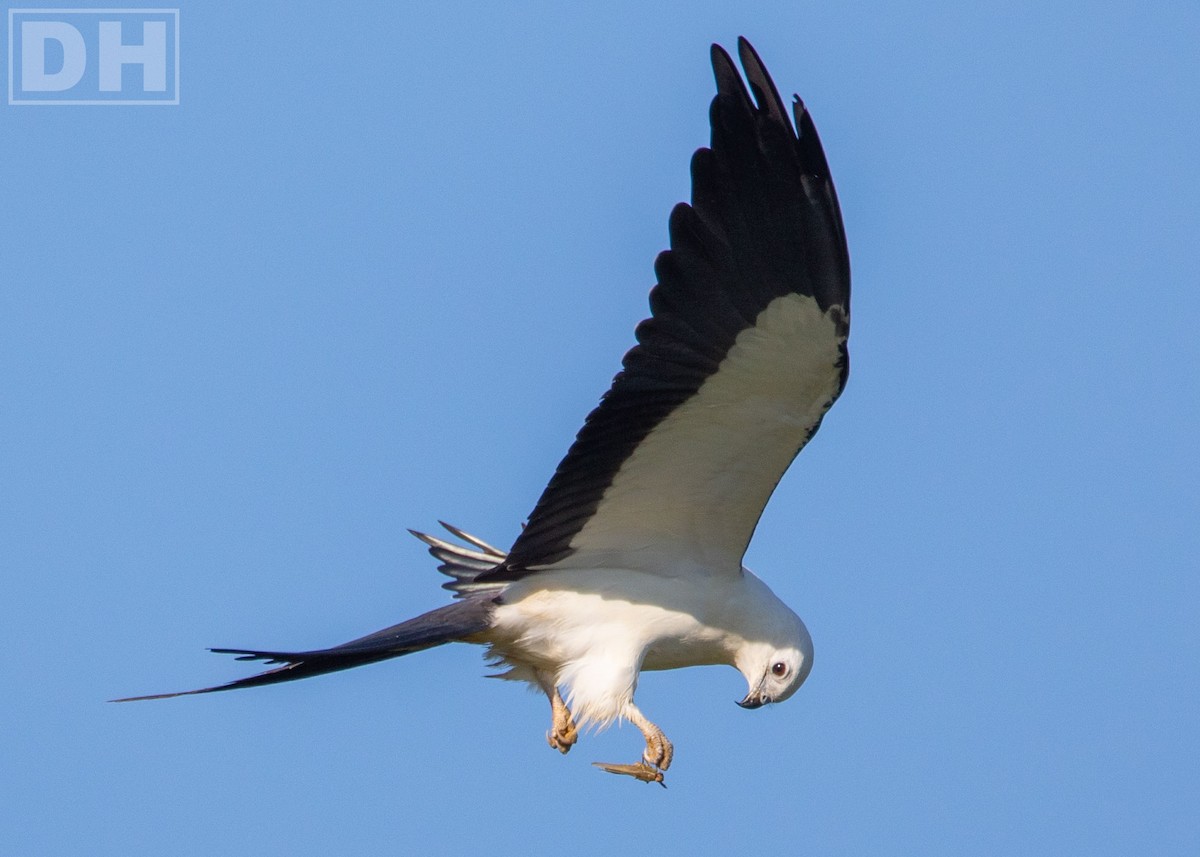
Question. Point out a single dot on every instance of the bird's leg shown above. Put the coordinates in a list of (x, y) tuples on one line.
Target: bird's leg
[(659, 751), (563, 734), (655, 760)]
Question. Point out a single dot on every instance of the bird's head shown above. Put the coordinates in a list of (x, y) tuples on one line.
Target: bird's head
[(777, 676), (776, 666)]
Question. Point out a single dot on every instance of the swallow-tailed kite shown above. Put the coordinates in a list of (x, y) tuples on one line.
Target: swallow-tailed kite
[(632, 558)]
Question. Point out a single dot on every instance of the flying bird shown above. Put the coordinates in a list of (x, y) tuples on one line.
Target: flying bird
[(632, 558)]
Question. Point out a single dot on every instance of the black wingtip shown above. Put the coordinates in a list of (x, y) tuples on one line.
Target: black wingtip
[(812, 152), (726, 73), (766, 97), (765, 93), (760, 96)]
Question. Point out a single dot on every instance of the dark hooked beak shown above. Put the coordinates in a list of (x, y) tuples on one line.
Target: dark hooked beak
[(754, 699)]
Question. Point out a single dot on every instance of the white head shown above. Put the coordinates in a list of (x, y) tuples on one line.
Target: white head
[(777, 659)]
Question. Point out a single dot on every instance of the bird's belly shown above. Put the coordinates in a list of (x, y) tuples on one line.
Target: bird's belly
[(653, 622)]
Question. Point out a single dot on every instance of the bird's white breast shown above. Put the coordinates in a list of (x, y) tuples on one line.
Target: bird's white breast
[(594, 631)]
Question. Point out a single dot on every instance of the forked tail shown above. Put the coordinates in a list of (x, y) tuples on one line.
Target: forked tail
[(469, 615)]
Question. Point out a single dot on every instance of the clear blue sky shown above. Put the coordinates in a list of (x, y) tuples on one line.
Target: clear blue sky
[(377, 266)]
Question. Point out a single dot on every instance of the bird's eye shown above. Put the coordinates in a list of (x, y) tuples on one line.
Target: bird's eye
[(779, 670)]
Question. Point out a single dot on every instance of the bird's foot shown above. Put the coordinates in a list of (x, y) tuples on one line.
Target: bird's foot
[(562, 736), (656, 758), (659, 751), (643, 771)]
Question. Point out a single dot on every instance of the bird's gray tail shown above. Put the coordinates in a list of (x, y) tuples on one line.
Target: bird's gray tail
[(457, 621)]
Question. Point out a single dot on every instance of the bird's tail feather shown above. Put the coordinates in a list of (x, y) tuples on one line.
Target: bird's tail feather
[(444, 625)]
